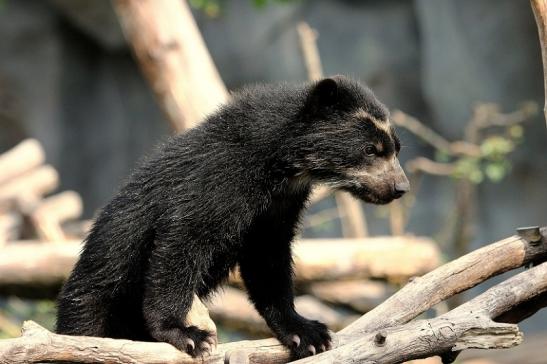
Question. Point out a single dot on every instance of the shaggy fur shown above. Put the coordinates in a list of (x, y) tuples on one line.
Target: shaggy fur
[(228, 192)]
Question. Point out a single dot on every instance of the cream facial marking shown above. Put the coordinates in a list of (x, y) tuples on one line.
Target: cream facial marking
[(380, 124), (378, 171)]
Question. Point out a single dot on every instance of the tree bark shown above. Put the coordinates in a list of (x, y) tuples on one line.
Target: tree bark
[(540, 13), (173, 57), (25, 265), (383, 335), (20, 159)]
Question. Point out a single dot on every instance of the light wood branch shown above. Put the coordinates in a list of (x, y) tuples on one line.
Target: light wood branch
[(173, 57), (431, 137), (35, 182), (54, 210), (20, 159), (422, 164), (34, 264), (308, 43), (449, 279), (468, 326), (456, 330), (540, 13)]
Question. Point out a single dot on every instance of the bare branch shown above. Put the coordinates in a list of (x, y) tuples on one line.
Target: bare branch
[(422, 164), (456, 330), (431, 137), (308, 43), (540, 13)]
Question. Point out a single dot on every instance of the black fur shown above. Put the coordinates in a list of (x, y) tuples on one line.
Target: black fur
[(227, 192)]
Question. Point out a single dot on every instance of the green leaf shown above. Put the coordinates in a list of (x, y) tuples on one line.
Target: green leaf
[(495, 171)]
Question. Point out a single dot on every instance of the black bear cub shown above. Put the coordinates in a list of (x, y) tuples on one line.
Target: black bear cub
[(229, 192)]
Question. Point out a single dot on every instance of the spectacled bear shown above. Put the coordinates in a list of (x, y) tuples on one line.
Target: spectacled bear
[(229, 192)]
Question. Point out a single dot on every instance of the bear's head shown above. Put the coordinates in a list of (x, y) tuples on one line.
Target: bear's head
[(349, 142)]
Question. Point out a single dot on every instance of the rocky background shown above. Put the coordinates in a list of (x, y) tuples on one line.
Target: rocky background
[(68, 79)]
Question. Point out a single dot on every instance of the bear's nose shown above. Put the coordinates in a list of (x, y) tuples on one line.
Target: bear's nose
[(400, 188)]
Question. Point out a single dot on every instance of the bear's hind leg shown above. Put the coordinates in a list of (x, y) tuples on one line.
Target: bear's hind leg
[(170, 284)]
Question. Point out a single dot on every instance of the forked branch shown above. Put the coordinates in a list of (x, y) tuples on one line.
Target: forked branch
[(384, 335)]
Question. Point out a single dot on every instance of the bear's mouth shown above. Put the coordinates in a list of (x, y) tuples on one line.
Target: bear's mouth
[(369, 196)]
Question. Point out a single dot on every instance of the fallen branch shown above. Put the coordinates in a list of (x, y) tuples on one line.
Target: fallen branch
[(35, 182), (34, 268), (376, 336), (54, 210), (469, 326), (449, 279), (20, 159)]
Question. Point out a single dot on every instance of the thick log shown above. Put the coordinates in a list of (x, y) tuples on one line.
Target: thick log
[(173, 57), (392, 257), (25, 265), (469, 270), (477, 328), (20, 159), (36, 269), (468, 326)]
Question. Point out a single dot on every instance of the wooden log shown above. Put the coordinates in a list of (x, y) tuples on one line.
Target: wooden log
[(173, 57), (36, 182), (25, 156), (468, 326), (36, 270), (413, 299), (77, 229), (231, 308), (25, 264), (360, 295), (51, 212), (457, 276), (392, 257)]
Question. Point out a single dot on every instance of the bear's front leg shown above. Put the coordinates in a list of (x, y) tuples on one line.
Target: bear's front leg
[(170, 283), (267, 274)]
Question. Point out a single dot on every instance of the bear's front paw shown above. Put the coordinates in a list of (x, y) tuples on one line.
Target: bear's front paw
[(305, 338), (192, 340)]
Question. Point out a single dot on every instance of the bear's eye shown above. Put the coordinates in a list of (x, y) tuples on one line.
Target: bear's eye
[(370, 150)]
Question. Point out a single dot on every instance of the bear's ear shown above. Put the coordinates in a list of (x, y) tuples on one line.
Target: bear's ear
[(324, 93)]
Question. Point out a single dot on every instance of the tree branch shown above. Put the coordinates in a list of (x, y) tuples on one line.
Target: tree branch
[(540, 13), (468, 326), (173, 57)]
